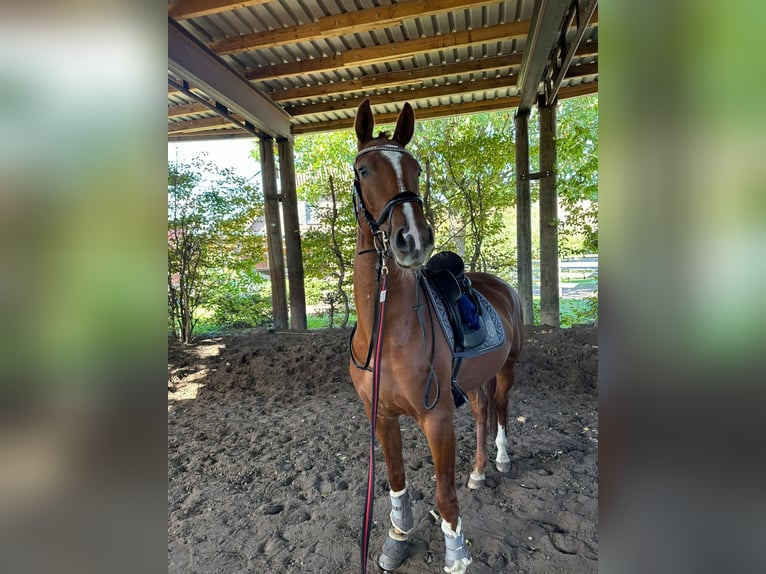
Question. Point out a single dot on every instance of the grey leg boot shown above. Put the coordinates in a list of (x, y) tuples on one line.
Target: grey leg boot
[(396, 547), (456, 556)]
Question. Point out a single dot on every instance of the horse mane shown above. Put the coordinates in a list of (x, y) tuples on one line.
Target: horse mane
[(383, 134)]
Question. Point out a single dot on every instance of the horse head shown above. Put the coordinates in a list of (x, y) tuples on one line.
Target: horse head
[(386, 188)]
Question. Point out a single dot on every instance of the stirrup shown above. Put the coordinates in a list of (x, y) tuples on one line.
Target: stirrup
[(458, 395)]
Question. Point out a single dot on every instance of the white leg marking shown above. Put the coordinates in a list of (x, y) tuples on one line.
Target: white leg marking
[(502, 445), (456, 555), (399, 493)]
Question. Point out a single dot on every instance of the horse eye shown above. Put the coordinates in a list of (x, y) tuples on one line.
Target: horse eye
[(363, 171)]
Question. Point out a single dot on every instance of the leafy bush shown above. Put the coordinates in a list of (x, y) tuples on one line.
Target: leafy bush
[(580, 311), (210, 244), (241, 301), (572, 311)]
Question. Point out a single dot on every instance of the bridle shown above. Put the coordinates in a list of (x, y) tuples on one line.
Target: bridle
[(381, 245), (400, 198), (380, 238)]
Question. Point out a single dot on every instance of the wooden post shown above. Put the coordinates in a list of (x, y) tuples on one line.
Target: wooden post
[(292, 235), (273, 233), (549, 234), (523, 215)]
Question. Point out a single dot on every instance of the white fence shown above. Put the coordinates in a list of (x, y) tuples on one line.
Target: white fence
[(578, 277)]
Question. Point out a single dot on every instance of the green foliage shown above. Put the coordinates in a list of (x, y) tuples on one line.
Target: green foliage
[(579, 311), (239, 299), (498, 255), (210, 215), (468, 163), (577, 171), (328, 246), (322, 321), (572, 311), (315, 288), (320, 156)]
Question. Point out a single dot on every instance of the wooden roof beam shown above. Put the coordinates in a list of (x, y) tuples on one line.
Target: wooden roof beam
[(407, 95), (198, 125), (338, 24), (488, 105), (411, 76), (393, 51), (187, 109), (185, 9), (399, 78), (213, 134), (508, 81)]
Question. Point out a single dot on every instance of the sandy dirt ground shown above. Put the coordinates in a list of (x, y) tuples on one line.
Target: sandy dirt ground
[(267, 461)]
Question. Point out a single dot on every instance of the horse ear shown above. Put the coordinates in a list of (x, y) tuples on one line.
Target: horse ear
[(405, 125), (364, 123)]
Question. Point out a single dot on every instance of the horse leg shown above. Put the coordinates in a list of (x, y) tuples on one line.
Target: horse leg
[(395, 549), (441, 439), (478, 400), (504, 384)]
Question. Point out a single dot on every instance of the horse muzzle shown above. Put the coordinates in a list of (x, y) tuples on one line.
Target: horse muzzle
[(412, 245)]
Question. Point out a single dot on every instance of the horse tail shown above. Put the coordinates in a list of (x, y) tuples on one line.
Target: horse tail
[(491, 415)]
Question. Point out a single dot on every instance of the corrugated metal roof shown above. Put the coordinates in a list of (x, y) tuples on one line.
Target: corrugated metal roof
[(319, 60)]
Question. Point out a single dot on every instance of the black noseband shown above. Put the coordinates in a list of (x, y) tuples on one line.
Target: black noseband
[(403, 197)]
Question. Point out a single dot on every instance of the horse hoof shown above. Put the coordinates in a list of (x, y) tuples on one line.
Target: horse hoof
[(394, 554), (503, 466), (459, 566), (476, 482)]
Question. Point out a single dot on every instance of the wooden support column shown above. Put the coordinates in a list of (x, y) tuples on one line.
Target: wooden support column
[(273, 233), (523, 215), (549, 233), (295, 274)]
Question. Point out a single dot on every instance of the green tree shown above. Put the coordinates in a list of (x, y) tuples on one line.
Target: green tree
[(577, 170), (328, 246), (211, 245), (469, 162), (468, 187)]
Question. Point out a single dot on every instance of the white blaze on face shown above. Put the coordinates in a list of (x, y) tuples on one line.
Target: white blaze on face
[(395, 159)]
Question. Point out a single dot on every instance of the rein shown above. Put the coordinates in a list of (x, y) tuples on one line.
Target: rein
[(380, 269), (370, 498)]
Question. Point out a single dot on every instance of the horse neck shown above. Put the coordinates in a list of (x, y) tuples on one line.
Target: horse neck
[(401, 286)]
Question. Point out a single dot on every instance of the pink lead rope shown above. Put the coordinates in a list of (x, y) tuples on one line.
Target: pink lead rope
[(367, 525)]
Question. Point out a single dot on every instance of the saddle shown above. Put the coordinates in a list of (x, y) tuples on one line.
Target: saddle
[(446, 273)]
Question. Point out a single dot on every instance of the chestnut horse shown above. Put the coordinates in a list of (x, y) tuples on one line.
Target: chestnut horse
[(411, 354)]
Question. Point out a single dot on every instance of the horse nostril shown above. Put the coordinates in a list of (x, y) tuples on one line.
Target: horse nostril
[(430, 235), (404, 241)]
